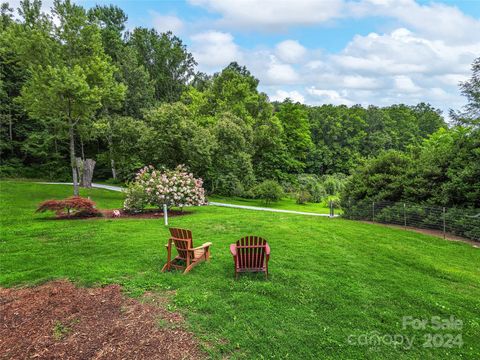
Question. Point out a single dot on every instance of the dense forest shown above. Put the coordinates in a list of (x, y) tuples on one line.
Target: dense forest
[(83, 87)]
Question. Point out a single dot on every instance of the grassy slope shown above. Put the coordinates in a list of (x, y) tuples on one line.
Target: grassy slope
[(285, 204), (329, 277)]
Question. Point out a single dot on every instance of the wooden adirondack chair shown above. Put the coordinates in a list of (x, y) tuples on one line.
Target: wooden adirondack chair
[(188, 256), (251, 254)]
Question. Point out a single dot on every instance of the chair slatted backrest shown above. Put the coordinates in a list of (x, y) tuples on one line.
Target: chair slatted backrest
[(182, 239), (251, 252)]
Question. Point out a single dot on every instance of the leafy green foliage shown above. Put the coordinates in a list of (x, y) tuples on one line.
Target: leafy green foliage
[(294, 119), (84, 86), (471, 90), (444, 171), (269, 191), (302, 197), (313, 186), (166, 60), (381, 178), (136, 198)]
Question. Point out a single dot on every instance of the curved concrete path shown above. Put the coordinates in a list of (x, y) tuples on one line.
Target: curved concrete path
[(118, 188)]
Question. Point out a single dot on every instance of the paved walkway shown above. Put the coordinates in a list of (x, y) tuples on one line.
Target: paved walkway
[(118, 188), (99, 186), (258, 208)]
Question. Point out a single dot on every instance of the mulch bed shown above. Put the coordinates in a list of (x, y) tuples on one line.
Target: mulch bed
[(60, 321), (146, 214)]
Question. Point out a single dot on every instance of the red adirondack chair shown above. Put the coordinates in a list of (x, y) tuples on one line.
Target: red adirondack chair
[(251, 254), (188, 256)]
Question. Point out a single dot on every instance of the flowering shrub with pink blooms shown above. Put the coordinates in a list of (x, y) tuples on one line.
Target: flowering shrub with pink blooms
[(171, 187)]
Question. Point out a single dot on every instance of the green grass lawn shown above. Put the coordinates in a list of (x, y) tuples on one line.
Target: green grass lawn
[(285, 204), (331, 279)]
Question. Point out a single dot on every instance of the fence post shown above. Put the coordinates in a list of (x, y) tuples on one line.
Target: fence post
[(444, 227), (405, 216), (331, 208), (165, 214), (373, 211)]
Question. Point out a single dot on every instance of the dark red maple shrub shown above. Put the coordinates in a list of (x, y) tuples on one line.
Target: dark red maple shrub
[(74, 206)]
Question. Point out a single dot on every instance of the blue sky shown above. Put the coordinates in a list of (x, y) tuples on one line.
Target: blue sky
[(328, 51)]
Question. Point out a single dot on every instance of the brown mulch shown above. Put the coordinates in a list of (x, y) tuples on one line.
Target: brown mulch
[(147, 214), (60, 321)]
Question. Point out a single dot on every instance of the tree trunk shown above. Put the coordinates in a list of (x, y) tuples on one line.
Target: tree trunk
[(88, 166), (110, 148), (10, 127), (114, 172), (73, 162), (85, 171), (83, 152), (79, 163)]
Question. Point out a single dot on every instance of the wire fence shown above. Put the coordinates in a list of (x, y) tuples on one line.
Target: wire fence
[(454, 221)]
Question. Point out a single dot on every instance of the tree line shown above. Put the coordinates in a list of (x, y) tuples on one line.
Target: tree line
[(83, 87)]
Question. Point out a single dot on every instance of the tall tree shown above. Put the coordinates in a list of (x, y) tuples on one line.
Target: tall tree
[(174, 137), (471, 90), (166, 59), (294, 119), (140, 93), (111, 20), (231, 172), (234, 89), (429, 119), (24, 43), (79, 83)]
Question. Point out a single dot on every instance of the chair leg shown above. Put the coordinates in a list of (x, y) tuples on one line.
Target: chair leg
[(188, 268), (169, 257), (192, 265), (166, 267)]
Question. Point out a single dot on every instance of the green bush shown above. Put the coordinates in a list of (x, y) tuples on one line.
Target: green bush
[(302, 197), (135, 198), (334, 184), (269, 191), (312, 185)]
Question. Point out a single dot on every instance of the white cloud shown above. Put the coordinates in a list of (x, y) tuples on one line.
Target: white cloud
[(214, 50), (164, 23), (281, 95), (279, 73), (328, 96), (404, 84), (273, 14), (434, 20), (360, 82), (425, 54), (290, 51)]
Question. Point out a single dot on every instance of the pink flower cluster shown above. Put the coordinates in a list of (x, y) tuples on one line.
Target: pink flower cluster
[(171, 187)]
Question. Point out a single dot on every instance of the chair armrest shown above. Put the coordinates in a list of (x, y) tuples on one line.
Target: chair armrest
[(267, 250), (233, 249), (206, 245)]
